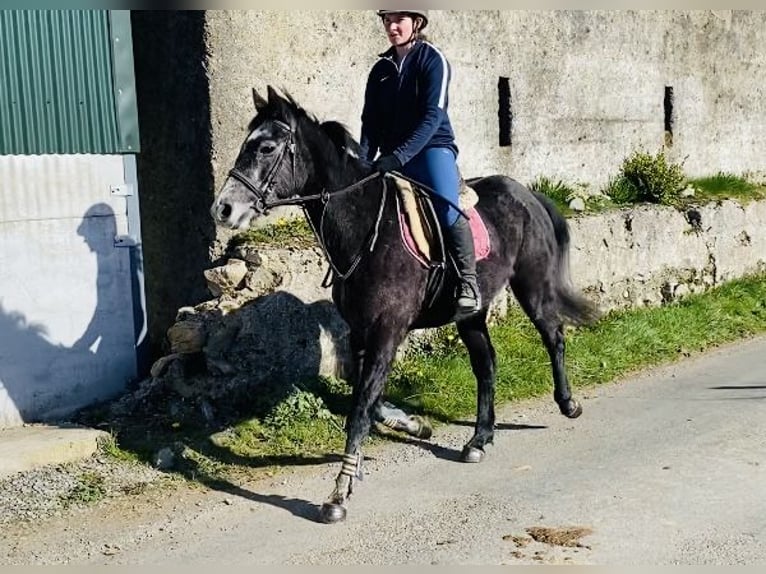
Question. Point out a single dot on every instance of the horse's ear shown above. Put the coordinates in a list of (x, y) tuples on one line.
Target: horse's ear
[(283, 107), (274, 97), (259, 102)]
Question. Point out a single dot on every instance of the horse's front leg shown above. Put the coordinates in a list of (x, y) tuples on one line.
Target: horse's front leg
[(473, 331), (366, 393)]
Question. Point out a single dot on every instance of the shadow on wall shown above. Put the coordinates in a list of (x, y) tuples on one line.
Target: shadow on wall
[(45, 381), (280, 339)]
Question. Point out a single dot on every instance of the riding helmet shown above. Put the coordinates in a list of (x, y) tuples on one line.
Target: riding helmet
[(422, 13)]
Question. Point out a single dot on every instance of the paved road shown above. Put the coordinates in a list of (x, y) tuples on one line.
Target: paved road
[(666, 467)]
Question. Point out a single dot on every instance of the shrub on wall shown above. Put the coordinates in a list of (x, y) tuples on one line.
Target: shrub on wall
[(647, 178)]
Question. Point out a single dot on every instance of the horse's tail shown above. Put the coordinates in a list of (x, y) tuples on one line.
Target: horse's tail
[(573, 307)]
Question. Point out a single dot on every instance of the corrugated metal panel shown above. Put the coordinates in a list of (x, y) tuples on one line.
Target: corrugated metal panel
[(57, 83), (124, 80)]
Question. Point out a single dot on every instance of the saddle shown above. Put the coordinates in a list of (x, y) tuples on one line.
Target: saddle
[(421, 232), (420, 228)]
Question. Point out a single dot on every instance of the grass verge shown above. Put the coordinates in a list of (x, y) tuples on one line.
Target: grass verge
[(443, 387), (305, 425)]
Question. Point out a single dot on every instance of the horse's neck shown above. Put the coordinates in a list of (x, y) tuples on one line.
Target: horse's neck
[(347, 221)]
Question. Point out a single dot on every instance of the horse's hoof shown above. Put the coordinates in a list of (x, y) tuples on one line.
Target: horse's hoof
[(471, 454), (423, 429), (331, 513), (571, 409)]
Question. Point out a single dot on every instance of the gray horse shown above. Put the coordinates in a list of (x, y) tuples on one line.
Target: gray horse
[(381, 291)]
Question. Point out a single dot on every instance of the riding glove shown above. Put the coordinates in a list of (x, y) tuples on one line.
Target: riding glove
[(387, 163)]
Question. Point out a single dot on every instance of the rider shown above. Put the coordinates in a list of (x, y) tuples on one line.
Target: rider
[(405, 118)]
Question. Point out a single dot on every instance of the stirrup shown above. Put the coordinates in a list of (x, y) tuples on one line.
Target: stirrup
[(468, 299), (463, 309)]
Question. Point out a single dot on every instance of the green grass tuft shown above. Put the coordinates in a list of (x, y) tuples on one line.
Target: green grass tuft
[(293, 232), (111, 448), (558, 191), (726, 186), (89, 489)]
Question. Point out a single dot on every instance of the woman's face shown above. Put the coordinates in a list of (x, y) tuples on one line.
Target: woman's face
[(398, 28)]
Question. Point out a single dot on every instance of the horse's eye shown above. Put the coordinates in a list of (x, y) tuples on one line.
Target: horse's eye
[(267, 148)]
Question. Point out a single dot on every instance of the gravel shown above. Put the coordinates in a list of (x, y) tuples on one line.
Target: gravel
[(53, 490)]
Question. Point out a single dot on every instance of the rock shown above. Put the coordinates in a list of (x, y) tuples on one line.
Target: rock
[(262, 280), (681, 290), (222, 337), (577, 204), (160, 365), (185, 313), (165, 459), (220, 366), (226, 278), (688, 192), (187, 337), (248, 254)]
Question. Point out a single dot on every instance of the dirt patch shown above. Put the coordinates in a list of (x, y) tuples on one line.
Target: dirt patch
[(519, 541), (569, 536)]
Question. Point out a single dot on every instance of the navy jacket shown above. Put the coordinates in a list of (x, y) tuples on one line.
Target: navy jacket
[(405, 110)]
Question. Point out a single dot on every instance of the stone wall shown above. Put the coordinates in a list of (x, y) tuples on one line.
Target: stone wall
[(648, 255), (272, 321), (587, 87)]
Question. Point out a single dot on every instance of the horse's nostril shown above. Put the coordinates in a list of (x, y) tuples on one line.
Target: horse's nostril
[(224, 211)]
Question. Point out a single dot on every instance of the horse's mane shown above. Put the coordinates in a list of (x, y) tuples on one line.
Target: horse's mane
[(315, 133), (341, 137)]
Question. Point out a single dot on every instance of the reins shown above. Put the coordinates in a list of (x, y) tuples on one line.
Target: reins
[(262, 204), (368, 245), (323, 195)]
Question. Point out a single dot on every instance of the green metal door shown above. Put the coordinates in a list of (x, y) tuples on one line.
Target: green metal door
[(66, 82)]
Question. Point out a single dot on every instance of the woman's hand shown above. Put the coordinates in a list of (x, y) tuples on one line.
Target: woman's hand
[(387, 163)]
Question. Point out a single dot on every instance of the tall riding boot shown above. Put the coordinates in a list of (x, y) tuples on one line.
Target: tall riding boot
[(460, 246)]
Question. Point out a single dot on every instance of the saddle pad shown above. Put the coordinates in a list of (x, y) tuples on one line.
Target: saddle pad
[(479, 232)]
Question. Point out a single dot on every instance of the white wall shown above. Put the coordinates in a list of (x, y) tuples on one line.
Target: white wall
[(67, 328)]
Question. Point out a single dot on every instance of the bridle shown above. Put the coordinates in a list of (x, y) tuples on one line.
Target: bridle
[(262, 205)]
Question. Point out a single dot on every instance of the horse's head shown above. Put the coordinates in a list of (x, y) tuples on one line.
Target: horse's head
[(286, 153), (267, 168)]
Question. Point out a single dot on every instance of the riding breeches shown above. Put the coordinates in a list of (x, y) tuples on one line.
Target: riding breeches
[(436, 168)]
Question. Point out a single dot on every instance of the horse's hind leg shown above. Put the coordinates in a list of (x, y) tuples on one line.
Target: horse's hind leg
[(396, 419), (539, 302), (386, 414), (473, 331)]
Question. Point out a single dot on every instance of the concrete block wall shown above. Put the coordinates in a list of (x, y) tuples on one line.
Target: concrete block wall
[(648, 255), (587, 89)]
